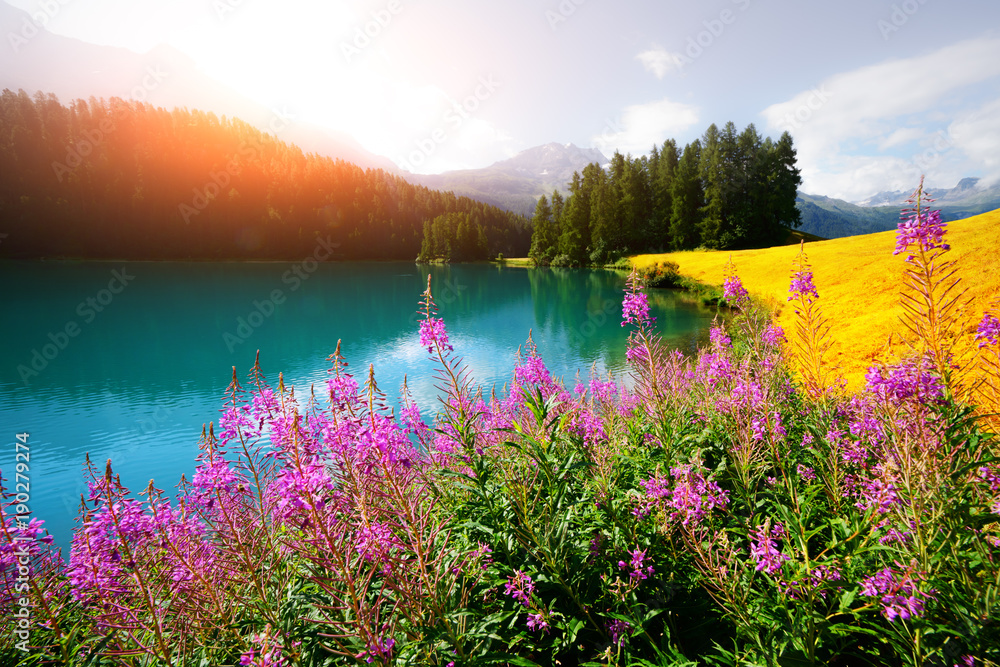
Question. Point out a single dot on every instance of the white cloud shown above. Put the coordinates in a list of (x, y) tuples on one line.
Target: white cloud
[(643, 125), (660, 62), (977, 135), (902, 136), (862, 111)]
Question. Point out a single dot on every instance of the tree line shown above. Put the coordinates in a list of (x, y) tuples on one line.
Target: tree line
[(123, 179), (726, 190)]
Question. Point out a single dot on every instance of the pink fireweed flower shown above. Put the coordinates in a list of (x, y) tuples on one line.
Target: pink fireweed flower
[(717, 336), (926, 231), (267, 652), (635, 309), (519, 586), (297, 490), (410, 419), (688, 500), (635, 306), (909, 379), (588, 426), (637, 565), (734, 292), (900, 597), (772, 335), (433, 332), (537, 623), (375, 541), (988, 332), (618, 630), (763, 548), (878, 494), (603, 391), (215, 476), (802, 287), (381, 646)]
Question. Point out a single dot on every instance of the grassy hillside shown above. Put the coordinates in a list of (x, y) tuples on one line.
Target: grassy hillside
[(859, 281)]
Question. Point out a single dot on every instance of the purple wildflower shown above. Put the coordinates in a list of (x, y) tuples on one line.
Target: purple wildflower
[(734, 292), (381, 646), (537, 623), (772, 335), (925, 230), (687, 500), (719, 339), (900, 597), (911, 378), (266, 654), (375, 541), (603, 391), (638, 571), (433, 333), (876, 493), (763, 549), (802, 287), (635, 306), (520, 587), (988, 332), (635, 309), (618, 629), (818, 576)]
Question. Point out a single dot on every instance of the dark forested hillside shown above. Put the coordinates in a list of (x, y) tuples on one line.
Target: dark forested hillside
[(117, 179), (728, 189)]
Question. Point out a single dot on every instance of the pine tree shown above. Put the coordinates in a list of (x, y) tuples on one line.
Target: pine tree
[(574, 242), (662, 173), (688, 199), (711, 175), (543, 241)]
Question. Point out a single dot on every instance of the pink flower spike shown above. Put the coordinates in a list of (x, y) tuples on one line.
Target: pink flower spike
[(433, 332)]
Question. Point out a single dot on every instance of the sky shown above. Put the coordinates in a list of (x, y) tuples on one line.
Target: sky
[(874, 92)]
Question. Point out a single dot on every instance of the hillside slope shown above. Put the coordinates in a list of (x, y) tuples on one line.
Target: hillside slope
[(859, 281)]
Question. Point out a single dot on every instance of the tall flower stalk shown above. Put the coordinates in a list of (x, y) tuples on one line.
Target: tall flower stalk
[(931, 298), (811, 337)]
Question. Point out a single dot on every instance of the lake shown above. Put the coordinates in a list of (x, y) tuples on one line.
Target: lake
[(129, 360)]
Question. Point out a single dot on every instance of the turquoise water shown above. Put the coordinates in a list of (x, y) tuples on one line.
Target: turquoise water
[(127, 361)]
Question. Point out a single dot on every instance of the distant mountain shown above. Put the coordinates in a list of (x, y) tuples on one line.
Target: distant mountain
[(966, 190), (836, 218), (34, 59), (516, 183)]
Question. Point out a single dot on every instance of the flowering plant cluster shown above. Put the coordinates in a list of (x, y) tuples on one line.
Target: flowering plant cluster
[(718, 509)]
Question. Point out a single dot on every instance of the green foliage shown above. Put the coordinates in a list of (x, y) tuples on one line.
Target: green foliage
[(726, 190), (116, 178), (661, 274)]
